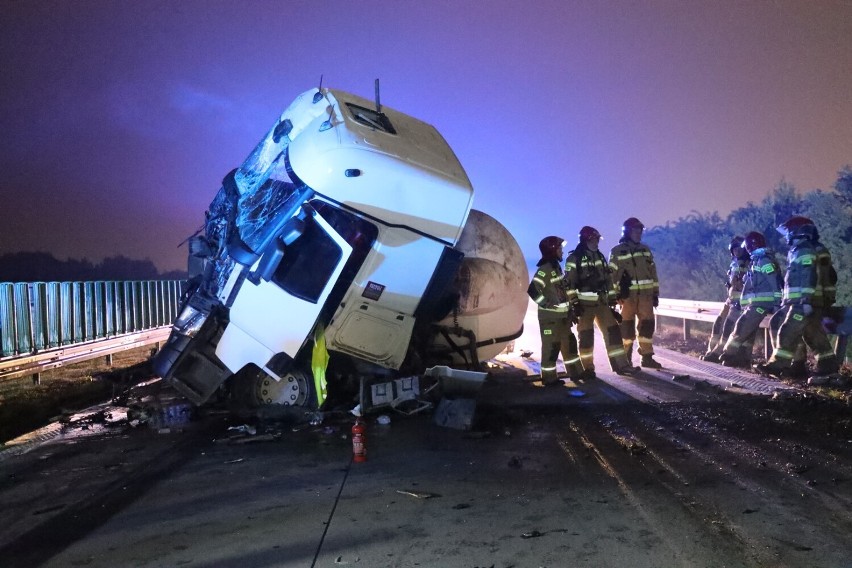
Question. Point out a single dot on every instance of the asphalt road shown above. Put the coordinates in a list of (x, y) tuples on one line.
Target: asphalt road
[(648, 471)]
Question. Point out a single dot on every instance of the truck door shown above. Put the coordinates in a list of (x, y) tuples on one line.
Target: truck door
[(275, 313)]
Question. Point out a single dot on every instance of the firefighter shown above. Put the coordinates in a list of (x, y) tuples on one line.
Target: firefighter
[(547, 290), (809, 290), (761, 296), (592, 296), (723, 326), (635, 273)]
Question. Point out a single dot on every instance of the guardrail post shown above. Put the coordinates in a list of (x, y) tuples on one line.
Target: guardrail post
[(687, 328), (108, 359), (37, 379)]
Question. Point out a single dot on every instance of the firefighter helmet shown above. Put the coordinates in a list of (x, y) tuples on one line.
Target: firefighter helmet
[(587, 233), (629, 225), (754, 241), (797, 226), (549, 247), (735, 245)]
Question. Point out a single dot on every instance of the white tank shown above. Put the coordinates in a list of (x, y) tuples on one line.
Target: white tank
[(492, 282)]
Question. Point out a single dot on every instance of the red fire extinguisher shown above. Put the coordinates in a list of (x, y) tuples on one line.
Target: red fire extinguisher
[(359, 441)]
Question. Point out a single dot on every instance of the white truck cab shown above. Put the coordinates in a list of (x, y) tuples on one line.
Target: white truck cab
[(339, 232)]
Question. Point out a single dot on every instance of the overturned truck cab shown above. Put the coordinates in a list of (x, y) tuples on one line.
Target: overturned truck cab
[(344, 245)]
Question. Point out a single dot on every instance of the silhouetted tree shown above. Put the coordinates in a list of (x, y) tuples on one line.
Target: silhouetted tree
[(123, 268), (44, 267)]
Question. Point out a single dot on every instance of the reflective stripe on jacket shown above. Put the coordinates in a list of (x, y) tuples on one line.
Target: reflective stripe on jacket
[(547, 289), (736, 275), (588, 278), (800, 280), (637, 261), (762, 282)]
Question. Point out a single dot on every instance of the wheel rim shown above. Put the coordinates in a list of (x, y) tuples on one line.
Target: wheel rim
[(294, 389)]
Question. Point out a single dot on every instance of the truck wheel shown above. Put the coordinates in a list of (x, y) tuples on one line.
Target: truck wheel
[(255, 388), (296, 388)]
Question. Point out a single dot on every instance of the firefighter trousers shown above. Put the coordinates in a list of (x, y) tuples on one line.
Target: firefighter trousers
[(789, 327), (556, 337), (600, 315), (723, 327), (740, 343), (637, 315)]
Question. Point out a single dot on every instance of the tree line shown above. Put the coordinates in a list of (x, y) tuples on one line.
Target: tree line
[(44, 267), (692, 252)]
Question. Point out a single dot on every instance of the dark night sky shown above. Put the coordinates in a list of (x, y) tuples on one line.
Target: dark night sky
[(119, 119)]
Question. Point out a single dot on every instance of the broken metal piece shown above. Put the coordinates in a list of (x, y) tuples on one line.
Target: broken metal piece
[(417, 494)]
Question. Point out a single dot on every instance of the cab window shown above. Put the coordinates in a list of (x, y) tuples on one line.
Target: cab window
[(308, 264)]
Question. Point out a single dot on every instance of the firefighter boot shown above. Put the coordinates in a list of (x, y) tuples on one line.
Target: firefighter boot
[(710, 357), (649, 363), (735, 362), (588, 375), (771, 369), (798, 370)]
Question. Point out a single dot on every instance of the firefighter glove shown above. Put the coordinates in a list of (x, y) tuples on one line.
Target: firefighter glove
[(616, 315), (656, 300)]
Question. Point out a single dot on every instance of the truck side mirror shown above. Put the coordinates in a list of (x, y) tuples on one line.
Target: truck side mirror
[(269, 261), (276, 249)]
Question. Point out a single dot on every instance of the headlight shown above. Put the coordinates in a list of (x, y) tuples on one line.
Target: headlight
[(190, 321)]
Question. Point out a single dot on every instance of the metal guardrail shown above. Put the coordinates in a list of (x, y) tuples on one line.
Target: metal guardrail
[(48, 324)]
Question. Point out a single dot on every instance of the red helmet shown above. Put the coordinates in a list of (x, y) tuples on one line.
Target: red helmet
[(587, 233), (735, 244), (549, 247), (797, 226), (629, 225), (754, 241)]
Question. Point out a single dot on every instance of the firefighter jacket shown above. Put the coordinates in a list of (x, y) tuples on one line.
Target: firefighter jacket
[(762, 282), (547, 290), (588, 278), (736, 274), (633, 270), (825, 293), (800, 280)]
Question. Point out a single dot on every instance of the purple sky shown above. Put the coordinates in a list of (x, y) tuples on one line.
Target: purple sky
[(119, 119)]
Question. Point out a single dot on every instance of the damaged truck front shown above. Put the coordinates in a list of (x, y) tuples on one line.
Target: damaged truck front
[(345, 245)]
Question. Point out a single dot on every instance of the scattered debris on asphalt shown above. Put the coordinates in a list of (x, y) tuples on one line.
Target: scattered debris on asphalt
[(417, 494)]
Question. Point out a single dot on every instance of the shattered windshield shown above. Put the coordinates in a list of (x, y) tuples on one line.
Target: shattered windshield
[(258, 197), (262, 212)]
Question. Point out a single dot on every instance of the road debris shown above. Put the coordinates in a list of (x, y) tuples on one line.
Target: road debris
[(417, 494), (244, 428)]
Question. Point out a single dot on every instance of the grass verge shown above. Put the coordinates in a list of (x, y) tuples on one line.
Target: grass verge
[(25, 406)]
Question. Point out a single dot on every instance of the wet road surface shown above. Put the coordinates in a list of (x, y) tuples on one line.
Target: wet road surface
[(648, 471)]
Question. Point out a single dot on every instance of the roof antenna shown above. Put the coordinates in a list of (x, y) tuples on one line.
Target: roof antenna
[(318, 94), (378, 101)]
